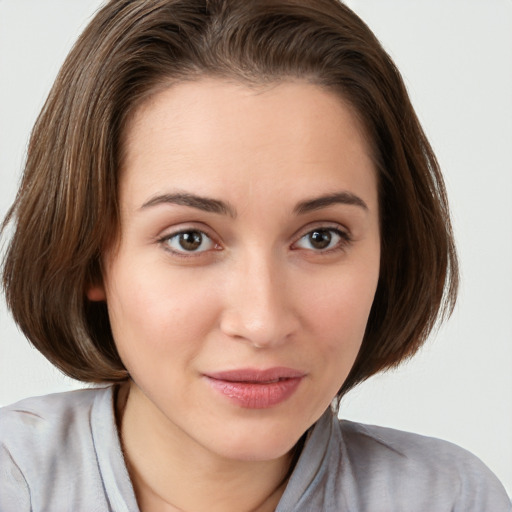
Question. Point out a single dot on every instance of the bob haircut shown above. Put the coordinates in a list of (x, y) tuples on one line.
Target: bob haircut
[(66, 210)]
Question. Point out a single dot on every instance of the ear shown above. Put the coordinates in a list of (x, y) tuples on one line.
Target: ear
[(96, 293)]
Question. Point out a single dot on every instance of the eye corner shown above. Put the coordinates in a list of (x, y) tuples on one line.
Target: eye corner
[(188, 242), (327, 239)]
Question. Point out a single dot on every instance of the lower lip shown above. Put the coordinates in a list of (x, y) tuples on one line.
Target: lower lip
[(252, 395)]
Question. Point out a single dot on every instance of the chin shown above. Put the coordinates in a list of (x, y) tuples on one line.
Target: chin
[(257, 451), (257, 442)]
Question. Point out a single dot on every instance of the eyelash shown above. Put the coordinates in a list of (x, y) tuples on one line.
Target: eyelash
[(344, 240), (165, 241)]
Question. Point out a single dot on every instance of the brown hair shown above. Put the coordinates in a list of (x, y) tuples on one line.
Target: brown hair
[(66, 212)]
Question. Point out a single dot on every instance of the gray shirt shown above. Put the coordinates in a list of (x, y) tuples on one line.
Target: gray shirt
[(61, 453)]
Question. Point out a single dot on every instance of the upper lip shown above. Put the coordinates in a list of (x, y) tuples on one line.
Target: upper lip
[(256, 375)]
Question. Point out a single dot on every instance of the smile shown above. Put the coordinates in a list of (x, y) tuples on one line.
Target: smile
[(256, 389)]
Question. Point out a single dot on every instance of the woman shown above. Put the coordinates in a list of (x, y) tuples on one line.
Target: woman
[(221, 216)]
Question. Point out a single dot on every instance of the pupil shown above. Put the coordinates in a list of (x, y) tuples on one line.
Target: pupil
[(320, 239), (191, 241)]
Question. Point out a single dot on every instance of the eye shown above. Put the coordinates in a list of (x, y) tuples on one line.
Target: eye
[(322, 239), (191, 240)]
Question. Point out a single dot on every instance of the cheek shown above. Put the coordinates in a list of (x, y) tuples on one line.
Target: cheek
[(344, 304), (155, 312)]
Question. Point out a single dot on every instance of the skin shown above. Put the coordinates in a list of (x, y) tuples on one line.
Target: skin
[(258, 292)]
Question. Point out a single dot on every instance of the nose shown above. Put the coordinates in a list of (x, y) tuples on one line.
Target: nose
[(259, 306)]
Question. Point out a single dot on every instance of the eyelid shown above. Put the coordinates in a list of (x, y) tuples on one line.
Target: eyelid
[(342, 232), (327, 225), (171, 233)]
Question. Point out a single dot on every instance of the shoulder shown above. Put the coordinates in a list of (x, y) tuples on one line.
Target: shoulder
[(382, 444), (421, 468), (41, 441), (47, 418), (56, 403)]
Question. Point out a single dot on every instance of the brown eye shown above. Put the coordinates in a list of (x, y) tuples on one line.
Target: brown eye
[(320, 238), (189, 241), (323, 239)]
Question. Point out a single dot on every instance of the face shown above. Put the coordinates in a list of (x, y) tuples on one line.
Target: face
[(247, 262)]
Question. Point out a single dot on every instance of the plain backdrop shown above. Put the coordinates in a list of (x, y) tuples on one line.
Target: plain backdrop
[(456, 58)]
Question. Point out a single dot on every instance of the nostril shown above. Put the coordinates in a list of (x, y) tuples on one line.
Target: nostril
[(261, 333)]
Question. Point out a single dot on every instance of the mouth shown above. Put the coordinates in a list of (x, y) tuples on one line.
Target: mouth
[(256, 389)]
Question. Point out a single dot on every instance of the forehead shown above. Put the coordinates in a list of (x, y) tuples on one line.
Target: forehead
[(212, 135)]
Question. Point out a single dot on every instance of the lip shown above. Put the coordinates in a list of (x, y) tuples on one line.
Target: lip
[(256, 388)]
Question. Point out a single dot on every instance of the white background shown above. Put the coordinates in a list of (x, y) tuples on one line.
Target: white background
[(456, 58)]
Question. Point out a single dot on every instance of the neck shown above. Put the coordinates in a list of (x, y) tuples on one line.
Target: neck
[(172, 472)]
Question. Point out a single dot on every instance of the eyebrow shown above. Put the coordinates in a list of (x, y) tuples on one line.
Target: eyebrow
[(205, 204), (217, 206), (318, 203)]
